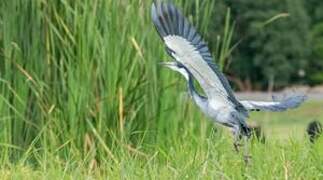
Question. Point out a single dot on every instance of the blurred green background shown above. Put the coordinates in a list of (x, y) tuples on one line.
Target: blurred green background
[(80, 84)]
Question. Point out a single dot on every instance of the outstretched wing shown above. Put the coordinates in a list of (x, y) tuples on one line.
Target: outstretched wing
[(276, 106), (186, 46)]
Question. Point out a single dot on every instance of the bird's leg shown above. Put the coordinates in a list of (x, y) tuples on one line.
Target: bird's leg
[(237, 144), (247, 157), (236, 135)]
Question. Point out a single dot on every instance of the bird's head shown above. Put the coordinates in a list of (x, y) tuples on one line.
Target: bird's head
[(176, 66)]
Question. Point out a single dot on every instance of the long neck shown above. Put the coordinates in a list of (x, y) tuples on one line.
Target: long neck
[(199, 100)]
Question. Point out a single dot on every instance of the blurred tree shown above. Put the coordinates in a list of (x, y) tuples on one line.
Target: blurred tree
[(315, 68), (269, 54), (276, 51), (315, 10)]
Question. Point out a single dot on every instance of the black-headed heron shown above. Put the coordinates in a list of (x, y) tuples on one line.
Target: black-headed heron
[(193, 59)]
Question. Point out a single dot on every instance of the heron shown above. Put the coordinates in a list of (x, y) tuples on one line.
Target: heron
[(192, 59)]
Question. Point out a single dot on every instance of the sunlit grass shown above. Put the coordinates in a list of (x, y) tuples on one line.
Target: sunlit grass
[(194, 157)]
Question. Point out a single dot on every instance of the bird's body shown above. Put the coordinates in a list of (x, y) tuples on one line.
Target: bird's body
[(216, 108), (193, 60)]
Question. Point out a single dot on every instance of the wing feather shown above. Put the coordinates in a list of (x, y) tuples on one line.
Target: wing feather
[(187, 46), (286, 103)]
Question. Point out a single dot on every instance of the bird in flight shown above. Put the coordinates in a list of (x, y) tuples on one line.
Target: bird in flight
[(192, 59)]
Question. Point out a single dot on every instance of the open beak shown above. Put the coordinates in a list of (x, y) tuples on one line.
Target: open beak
[(166, 64)]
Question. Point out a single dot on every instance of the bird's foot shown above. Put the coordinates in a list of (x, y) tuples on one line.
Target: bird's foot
[(247, 159)]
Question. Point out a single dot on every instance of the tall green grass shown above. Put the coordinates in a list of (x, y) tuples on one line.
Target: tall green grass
[(85, 73), (82, 93)]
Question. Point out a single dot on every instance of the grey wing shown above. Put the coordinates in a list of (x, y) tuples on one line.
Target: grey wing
[(186, 46), (275, 106)]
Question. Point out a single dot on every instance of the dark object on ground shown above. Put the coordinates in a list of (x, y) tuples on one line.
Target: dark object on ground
[(257, 133), (314, 130)]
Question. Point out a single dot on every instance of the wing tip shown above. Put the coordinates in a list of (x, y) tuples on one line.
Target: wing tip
[(294, 101), (154, 10), (157, 17), (166, 17)]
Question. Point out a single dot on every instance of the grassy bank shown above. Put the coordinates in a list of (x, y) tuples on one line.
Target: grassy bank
[(189, 156)]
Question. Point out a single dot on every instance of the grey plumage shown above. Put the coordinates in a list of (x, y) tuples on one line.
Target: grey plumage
[(203, 102), (287, 102), (184, 31), (193, 59)]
